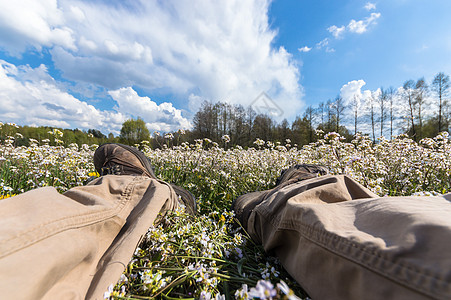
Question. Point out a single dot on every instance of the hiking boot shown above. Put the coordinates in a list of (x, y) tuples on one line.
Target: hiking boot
[(245, 204), (301, 172), (118, 159)]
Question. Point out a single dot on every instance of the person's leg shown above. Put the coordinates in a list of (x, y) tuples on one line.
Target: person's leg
[(341, 241), (75, 245)]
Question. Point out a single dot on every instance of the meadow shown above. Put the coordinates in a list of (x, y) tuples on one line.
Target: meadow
[(209, 256)]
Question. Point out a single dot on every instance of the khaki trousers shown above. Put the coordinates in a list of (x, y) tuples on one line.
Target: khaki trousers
[(73, 246), (341, 241), (336, 238)]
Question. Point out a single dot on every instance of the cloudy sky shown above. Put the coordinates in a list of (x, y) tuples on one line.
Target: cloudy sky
[(94, 64)]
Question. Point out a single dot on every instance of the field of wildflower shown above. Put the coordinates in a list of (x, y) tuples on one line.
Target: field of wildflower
[(209, 256)]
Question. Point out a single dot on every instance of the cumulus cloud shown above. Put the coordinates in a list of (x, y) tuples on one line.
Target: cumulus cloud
[(304, 49), (362, 25), (219, 50), (33, 23), (337, 32), (352, 92), (370, 6), (163, 117), (358, 100), (23, 87)]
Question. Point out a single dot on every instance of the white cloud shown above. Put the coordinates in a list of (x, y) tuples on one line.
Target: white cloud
[(33, 23), (370, 6), (322, 43), (351, 91), (77, 14), (304, 49), (24, 87), (163, 117), (195, 102), (354, 26), (337, 32), (357, 99), (362, 25), (219, 50)]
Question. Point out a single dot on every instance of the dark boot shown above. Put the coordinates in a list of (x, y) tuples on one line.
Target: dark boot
[(301, 172), (245, 204), (118, 159)]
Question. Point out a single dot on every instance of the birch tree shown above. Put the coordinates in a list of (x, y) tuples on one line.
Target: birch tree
[(421, 91), (355, 107), (409, 96), (441, 86), (382, 99), (339, 107), (390, 99)]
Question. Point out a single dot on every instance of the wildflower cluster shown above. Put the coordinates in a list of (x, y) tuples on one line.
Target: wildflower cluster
[(25, 168), (203, 257), (216, 176)]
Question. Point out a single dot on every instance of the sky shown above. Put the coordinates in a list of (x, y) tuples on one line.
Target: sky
[(95, 64)]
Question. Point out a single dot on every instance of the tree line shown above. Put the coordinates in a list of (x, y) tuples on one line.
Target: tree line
[(384, 112), (24, 135), (417, 108)]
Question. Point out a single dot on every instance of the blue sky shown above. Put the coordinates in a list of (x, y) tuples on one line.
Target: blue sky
[(409, 39), (94, 64)]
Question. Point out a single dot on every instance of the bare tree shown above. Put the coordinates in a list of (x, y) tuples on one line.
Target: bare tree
[(338, 108), (355, 107), (441, 86), (371, 105), (390, 97), (382, 99), (321, 112), (224, 119), (421, 90), (205, 121), (409, 96), (237, 128), (250, 117), (329, 111)]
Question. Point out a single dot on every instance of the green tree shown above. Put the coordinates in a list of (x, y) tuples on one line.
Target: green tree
[(300, 131), (134, 131), (96, 133), (262, 128)]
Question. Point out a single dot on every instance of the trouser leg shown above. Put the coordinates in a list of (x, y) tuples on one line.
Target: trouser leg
[(73, 246), (340, 241)]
